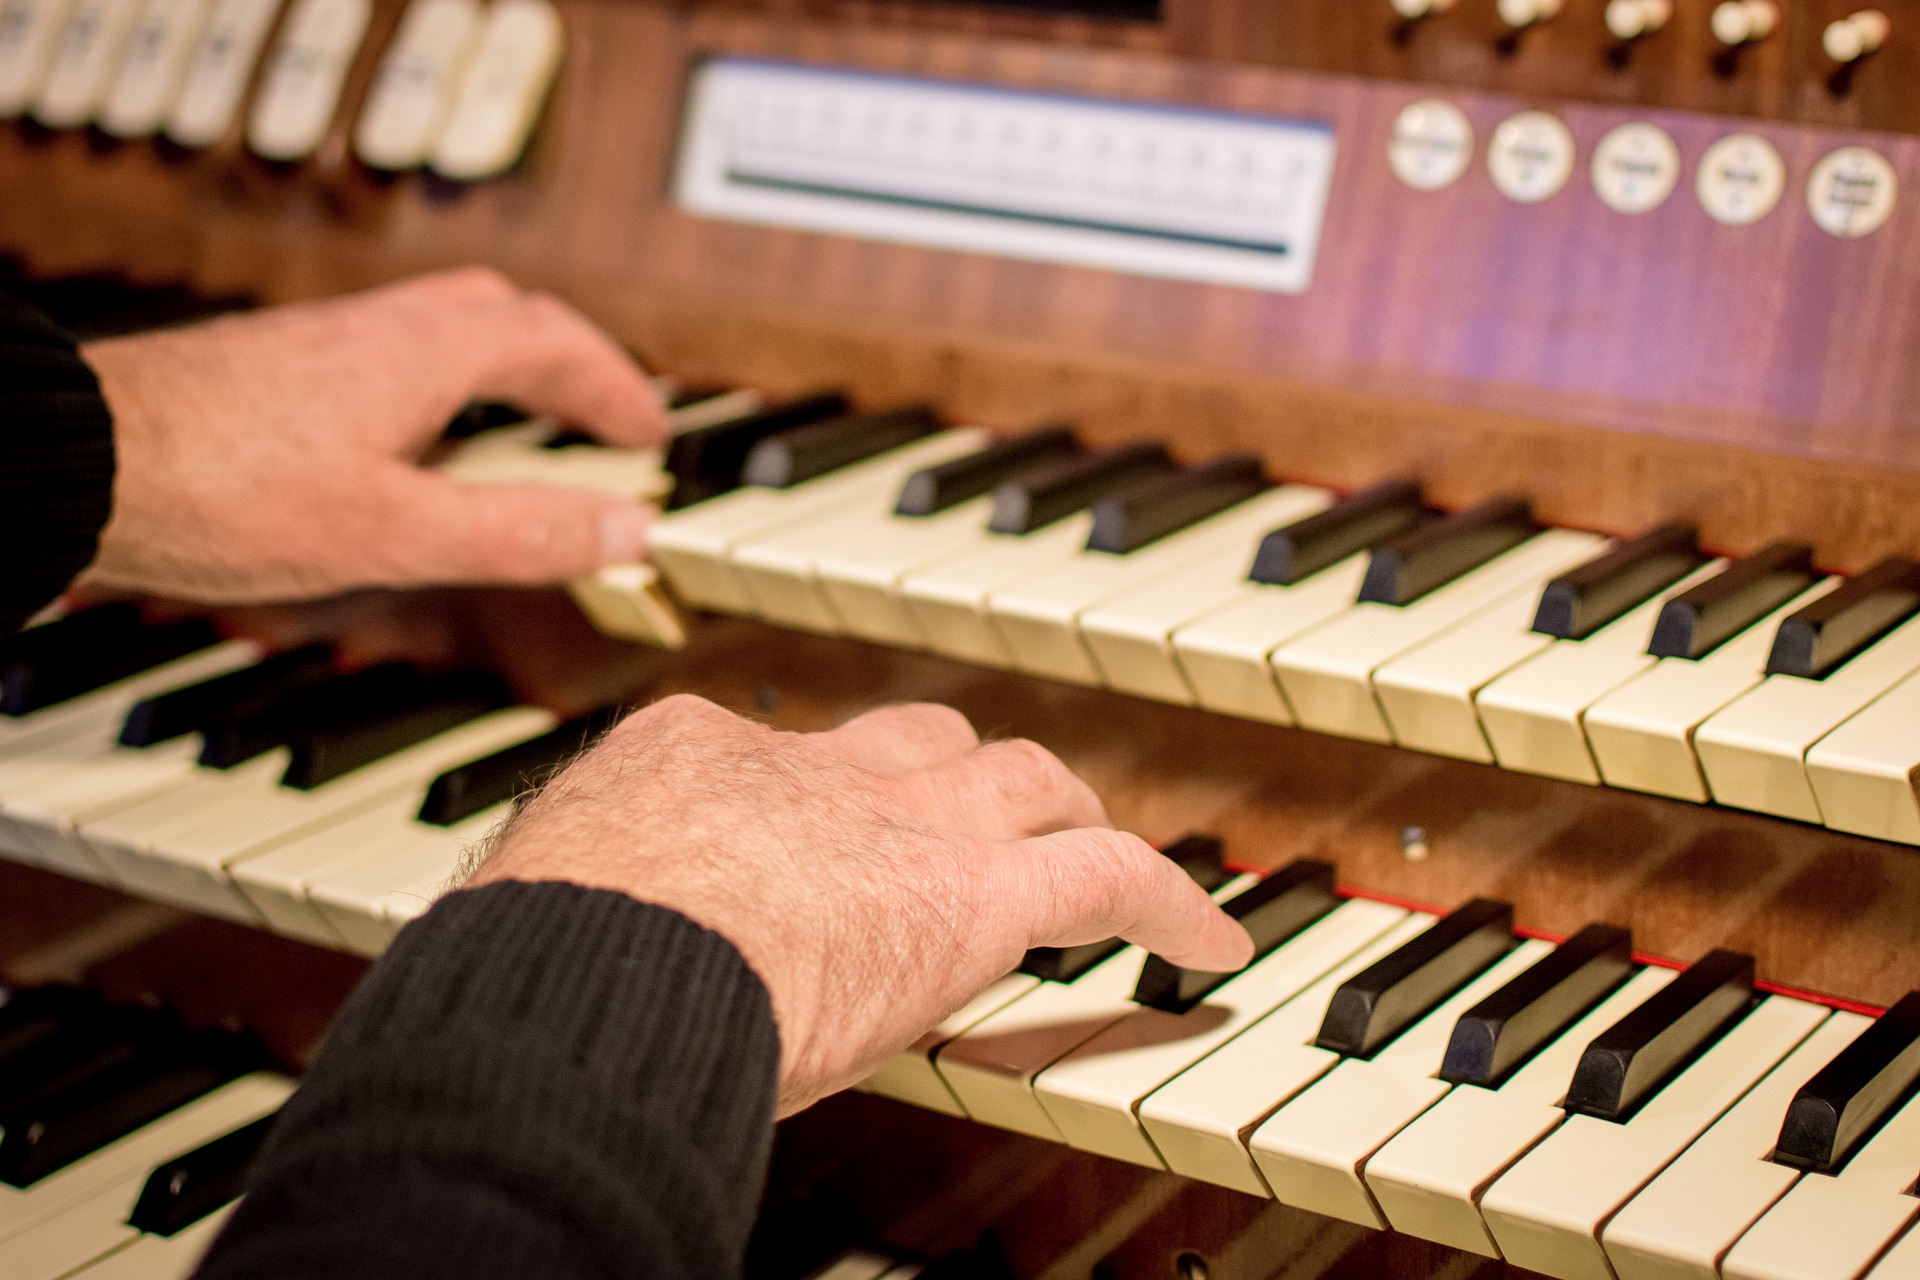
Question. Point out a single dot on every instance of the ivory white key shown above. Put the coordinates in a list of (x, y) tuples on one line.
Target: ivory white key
[(910, 1075), (1223, 656), (502, 91), (173, 1257), (1199, 1121), (1039, 617), (125, 1162), (218, 70), (949, 600), (693, 547), (1833, 1227), (1310, 1151), (413, 92), (1091, 1093), (519, 455), (1754, 750), (301, 90), (989, 1065), (154, 68), (1900, 1262), (1534, 713), (85, 61), (1547, 1211), (1427, 1180), (1686, 1219), (1863, 772), (369, 901), (29, 33), (177, 846), (1642, 732), (1327, 673)]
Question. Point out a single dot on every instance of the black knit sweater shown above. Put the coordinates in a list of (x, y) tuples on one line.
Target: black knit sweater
[(535, 1080)]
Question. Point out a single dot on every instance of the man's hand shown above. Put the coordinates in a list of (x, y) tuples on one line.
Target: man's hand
[(271, 455), (875, 876)]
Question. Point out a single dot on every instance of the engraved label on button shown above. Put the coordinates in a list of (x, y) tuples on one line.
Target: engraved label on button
[(1635, 167), (1531, 156), (1740, 179), (1851, 192), (1431, 145)]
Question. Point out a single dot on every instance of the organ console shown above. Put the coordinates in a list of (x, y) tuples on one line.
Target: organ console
[(1460, 456)]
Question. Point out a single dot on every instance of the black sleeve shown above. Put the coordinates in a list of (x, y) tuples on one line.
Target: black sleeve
[(56, 462), (535, 1080)]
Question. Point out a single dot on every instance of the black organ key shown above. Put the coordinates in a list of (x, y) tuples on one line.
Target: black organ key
[(483, 415), (932, 490), (1358, 522), (1272, 911), (1847, 1099), (70, 1042), (252, 725), (1384, 999), (1430, 557), (1629, 1061), (465, 790), (1708, 614), (1579, 602), (197, 707), (1167, 504), (46, 665), (1053, 492), (331, 746), (1504, 1030), (783, 460), (1202, 857), (708, 461), (188, 1187), (1816, 640)]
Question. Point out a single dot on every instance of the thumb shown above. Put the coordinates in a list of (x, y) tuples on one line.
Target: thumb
[(519, 535), (1081, 886)]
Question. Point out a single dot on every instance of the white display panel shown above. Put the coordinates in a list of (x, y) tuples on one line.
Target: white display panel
[(1155, 191)]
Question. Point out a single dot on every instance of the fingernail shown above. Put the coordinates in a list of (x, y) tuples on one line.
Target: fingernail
[(623, 534)]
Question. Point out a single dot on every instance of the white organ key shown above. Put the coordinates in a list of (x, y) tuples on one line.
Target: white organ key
[(1092, 1092), (413, 92), (1900, 1262), (124, 1163), (1833, 1227), (500, 95), (1312, 1149), (693, 547), (1642, 732), (85, 61), (1546, 1212), (949, 600), (1039, 617), (1753, 752), (910, 1075), (174, 1257), (368, 901), (155, 67), (68, 781), (1686, 1219), (1427, 1180), (629, 602), (217, 74), (176, 846), (1199, 1120), (1863, 772), (1224, 655), (517, 455), (1327, 673), (301, 90), (29, 34), (1534, 713), (988, 1067)]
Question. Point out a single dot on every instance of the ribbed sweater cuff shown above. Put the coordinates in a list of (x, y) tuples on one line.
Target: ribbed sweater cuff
[(600, 1066)]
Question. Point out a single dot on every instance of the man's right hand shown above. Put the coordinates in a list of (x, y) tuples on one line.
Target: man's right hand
[(875, 876)]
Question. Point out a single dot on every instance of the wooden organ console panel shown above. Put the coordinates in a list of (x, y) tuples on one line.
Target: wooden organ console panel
[(1576, 300)]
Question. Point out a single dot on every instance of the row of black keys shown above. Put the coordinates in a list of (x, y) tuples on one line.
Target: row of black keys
[(1138, 494), (77, 1074), (331, 723), (1619, 1071)]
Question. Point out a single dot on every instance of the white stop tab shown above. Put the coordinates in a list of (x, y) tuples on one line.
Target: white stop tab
[(1635, 167), (1531, 156), (1851, 192), (1740, 179), (1432, 144)]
